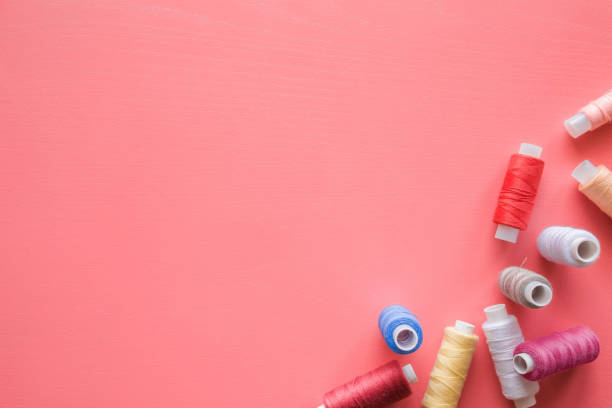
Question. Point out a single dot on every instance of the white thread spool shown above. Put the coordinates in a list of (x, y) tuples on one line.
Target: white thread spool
[(503, 335), (569, 246), (409, 373), (506, 232)]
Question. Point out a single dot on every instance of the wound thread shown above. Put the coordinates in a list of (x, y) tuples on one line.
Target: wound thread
[(451, 367), (400, 329), (569, 246), (378, 388), (599, 189), (599, 111), (525, 287), (503, 334), (519, 190), (556, 352)]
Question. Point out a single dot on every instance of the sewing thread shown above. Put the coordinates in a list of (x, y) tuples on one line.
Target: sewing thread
[(451, 367), (400, 329), (518, 192), (556, 352), (378, 388), (596, 184), (568, 246), (525, 287), (503, 334)]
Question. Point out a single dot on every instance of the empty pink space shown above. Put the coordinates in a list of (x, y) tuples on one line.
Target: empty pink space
[(209, 203)]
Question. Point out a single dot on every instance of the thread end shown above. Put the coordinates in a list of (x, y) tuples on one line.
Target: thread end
[(578, 125)]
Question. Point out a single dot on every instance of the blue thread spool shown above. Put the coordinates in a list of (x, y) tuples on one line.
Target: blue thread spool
[(400, 329)]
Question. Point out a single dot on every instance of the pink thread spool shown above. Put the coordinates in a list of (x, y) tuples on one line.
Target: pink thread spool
[(557, 352), (591, 117)]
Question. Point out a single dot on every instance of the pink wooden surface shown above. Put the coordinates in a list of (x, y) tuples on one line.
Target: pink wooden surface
[(207, 204)]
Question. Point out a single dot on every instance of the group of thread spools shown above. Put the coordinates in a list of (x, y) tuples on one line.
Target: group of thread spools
[(519, 364)]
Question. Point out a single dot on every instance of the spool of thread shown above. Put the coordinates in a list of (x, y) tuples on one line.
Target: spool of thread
[(378, 388), (503, 334), (590, 117), (518, 192), (400, 329), (525, 287), (568, 246), (451, 367), (556, 352), (596, 184)]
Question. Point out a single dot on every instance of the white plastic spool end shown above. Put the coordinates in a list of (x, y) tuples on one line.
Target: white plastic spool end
[(496, 313), (525, 402), (585, 172), (464, 327), (523, 363), (578, 125), (506, 232), (538, 293), (585, 250), (529, 149), (405, 337), (409, 374)]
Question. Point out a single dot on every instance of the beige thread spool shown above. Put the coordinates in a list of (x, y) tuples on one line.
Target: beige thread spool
[(451, 367), (596, 184)]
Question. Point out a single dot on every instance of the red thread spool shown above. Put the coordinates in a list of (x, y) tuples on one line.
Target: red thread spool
[(376, 389), (518, 192)]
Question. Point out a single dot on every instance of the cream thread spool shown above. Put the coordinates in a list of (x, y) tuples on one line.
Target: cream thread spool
[(596, 184), (503, 334), (591, 116), (451, 366), (569, 246), (525, 287)]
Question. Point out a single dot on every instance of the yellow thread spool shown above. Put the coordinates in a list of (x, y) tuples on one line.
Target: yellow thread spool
[(596, 184), (451, 367)]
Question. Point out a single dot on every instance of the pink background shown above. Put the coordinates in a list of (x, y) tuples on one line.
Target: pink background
[(207, 205)]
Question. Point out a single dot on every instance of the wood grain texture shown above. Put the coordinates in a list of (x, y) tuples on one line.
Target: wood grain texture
[(209, 203)]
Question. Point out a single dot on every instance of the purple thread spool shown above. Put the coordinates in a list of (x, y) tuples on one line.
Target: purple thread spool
[(559, 351)]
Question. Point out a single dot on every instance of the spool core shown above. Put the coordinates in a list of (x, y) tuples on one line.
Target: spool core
[(585, 172), (585, 250), (506, 232), (523, 363), (464, 327), (578, 125), (496, 313), (405, 337), (538, 293)]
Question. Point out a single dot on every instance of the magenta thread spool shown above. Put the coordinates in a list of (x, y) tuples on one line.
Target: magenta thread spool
[(557, 352)]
